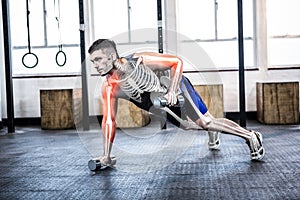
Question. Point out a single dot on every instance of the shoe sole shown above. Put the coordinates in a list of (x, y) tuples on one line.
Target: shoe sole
[(214, 146), (261, 152)]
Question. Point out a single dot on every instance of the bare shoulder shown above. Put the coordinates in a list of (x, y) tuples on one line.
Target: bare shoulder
[(108, 82), (110, 87)]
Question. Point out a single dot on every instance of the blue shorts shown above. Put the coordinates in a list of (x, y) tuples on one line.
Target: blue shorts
[(188, 108)]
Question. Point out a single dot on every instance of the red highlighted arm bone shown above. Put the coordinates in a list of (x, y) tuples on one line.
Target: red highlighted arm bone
[(109, 112)]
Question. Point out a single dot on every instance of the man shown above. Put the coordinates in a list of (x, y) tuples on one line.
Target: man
[(132, 78)]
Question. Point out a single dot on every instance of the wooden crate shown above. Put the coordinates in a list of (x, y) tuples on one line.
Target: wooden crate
[(278, 103), (77, 106), (129, 115), (59, 108), (212, 95)]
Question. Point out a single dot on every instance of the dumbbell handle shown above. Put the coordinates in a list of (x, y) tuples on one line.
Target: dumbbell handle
[(163, 102)]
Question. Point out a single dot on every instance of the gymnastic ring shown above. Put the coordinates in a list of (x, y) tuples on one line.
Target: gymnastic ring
[(36, 58), (65, 58)]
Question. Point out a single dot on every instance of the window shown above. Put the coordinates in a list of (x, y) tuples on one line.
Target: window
[(124, 20), (132, 24), (284, 33), (45, 36), (109, 18), (196, 19), (213, 24)]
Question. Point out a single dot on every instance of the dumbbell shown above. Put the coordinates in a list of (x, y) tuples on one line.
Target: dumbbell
[(161, 101)]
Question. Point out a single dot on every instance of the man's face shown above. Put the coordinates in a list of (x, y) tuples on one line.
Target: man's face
[(102, 62)]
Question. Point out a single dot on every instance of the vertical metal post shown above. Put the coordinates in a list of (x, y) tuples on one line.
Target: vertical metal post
[(163, 124), (241, 64), (8, 67), (216, 19), (129, 21), (45, 23), (85, 101), (159, 24)]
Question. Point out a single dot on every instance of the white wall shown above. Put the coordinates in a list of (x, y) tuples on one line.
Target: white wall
[(230, 81), (27, 101), (27, 93)]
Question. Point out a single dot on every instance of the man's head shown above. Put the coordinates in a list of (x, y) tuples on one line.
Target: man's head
[(103, 52)]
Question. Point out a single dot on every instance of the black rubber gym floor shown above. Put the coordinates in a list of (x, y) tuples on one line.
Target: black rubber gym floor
[(151, 164)]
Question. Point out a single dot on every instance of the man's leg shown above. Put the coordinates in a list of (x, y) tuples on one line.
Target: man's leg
[(206, 121)]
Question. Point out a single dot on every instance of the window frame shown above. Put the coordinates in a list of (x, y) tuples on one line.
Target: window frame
[(279, 36), (43, 45)]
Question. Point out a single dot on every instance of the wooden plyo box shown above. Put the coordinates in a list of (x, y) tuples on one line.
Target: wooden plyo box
[(278, 103), (212, 95), (129, 115), (59, 108)]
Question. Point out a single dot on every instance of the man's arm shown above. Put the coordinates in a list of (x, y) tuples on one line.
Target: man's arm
[(108, 121), (158, 61)]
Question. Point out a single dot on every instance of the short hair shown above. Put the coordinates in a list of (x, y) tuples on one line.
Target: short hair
[(106, 45)]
